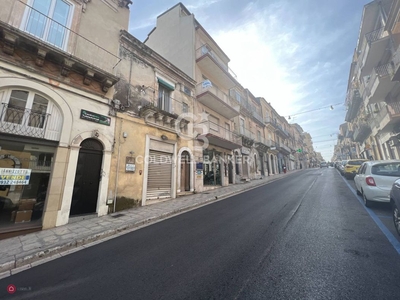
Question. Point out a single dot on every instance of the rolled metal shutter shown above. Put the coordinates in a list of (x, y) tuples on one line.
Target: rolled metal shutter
[(159, 175)]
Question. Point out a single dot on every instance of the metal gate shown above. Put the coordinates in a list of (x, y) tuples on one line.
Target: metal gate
[(159, 175)]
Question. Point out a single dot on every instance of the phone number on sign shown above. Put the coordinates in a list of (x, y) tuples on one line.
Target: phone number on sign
[(14, 182)]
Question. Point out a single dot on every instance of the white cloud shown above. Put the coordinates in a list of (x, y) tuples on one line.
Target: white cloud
[(201, 4)]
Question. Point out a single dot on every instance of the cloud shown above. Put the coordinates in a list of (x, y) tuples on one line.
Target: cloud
[(201, 5)]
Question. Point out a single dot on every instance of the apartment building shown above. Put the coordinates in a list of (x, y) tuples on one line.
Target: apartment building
[(373, 89), (181, 39), (57, 73), (153, 102)]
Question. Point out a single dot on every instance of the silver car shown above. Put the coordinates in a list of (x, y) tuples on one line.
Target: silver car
[(374, 180), (395, 201)]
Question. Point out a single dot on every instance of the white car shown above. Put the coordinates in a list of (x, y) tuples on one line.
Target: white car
[(374, 180)]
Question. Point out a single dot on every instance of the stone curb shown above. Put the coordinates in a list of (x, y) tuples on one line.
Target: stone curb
[(23, 263)]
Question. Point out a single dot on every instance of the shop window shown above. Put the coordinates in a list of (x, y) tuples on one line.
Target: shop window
[(49, 20), (22, 199)]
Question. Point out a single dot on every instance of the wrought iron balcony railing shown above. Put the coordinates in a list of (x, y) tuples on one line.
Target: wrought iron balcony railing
[(374, 35), (22, 121)]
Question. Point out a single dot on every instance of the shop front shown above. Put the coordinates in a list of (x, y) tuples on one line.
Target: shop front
[(46, 158), (211, 167), (25, 170)]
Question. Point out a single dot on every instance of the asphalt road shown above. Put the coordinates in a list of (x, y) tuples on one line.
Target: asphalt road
[(303, 237)]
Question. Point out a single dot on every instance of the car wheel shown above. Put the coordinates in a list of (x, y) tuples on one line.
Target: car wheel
[(358, 192), (367, 202), (396, 218)]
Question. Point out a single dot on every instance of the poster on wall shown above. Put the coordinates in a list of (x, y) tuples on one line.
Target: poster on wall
[(11, 176)]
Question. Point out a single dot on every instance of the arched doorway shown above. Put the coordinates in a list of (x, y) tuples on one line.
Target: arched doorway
[(87, 178), (185, 171)]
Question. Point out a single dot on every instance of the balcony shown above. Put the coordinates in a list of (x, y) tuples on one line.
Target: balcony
[(362, 132), (284, 149), (248, 137), (208, 60), (374, 47), (354, 103), (27, 122), (258, 117), (396, 65), (46, 40), (270, 123), (389, 117), (380, 83), (214, 134), (263, 144), (282, 131), (166, 114), (216, 100)]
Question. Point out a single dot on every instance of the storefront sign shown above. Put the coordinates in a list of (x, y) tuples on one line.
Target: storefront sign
[(245, 151), (291, 157), (93, 117), (11, 176)]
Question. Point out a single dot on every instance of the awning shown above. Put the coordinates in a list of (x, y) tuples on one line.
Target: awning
[(165, 84)]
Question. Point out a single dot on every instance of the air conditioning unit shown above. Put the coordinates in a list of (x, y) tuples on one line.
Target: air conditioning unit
[(116, 104)]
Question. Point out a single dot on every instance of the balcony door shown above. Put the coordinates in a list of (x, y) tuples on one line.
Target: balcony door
[(24, 113), (48, 20)]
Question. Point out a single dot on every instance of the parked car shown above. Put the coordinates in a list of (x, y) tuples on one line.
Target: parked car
[(375, 180), (395, 201), (341, 166), (352, 166), (323, 165)]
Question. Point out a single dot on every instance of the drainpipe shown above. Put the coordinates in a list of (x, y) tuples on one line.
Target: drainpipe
[(116, 175)]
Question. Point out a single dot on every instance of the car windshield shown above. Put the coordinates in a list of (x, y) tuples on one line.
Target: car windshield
[(355, 162), (386, 169)]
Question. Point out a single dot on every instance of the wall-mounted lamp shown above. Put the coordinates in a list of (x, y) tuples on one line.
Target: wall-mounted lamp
[(164, 137), (124, 135), (131, 152), (331, 108)]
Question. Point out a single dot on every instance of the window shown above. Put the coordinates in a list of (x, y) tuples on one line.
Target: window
[(164, 101), (49, 20), (25, 108), (187, 91), (259, 135), (214, 123), (227, 131), (185, 108), (241, 126)]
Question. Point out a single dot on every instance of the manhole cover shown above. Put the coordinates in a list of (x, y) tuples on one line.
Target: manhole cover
[(118, 215)]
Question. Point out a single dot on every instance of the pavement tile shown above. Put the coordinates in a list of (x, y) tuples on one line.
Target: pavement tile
[(31, 246)]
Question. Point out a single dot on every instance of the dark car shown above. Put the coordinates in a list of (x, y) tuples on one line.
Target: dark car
[(395, 202)]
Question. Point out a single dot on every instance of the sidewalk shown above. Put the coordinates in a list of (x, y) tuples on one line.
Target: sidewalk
[(26, 251)]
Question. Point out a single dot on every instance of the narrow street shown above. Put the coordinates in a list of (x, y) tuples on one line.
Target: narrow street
[(306, 236)]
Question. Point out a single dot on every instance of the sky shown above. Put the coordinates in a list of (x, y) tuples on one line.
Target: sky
[(294, 53)]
